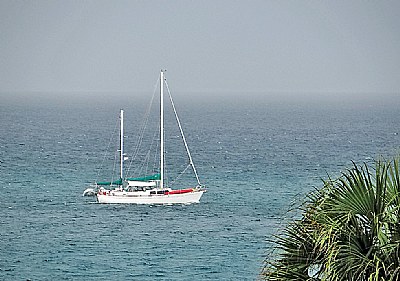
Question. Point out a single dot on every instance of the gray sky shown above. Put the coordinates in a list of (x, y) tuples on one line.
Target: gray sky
[(206, 46)]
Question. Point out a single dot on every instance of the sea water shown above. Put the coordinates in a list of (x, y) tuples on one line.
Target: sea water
[(257, 158)]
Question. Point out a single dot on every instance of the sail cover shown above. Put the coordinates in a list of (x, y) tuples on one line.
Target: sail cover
[(119, 182), (146, 178)]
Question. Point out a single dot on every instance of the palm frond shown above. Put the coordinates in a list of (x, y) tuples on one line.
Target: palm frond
[(349, 230)]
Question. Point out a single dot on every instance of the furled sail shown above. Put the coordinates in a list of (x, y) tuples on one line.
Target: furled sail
[(119, 182), (146, 178)]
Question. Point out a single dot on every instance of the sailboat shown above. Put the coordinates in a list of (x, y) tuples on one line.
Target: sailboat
[(150, 189)]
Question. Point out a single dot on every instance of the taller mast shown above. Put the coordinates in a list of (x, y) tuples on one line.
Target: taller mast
[(162, 129), (122, 144)]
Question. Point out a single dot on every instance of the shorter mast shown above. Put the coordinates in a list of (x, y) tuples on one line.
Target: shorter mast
[(122, 144)]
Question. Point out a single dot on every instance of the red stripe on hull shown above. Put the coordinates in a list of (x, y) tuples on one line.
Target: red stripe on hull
[(180, 191)]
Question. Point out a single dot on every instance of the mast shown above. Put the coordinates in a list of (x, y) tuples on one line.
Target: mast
[(161, 129), (122, 144)]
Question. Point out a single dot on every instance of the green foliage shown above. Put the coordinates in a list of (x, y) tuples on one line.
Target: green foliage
[(349, 230)]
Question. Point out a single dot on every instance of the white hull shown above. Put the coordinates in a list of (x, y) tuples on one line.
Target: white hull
[(131, 198)]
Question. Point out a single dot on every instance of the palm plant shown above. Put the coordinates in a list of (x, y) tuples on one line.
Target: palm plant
[(349, 230)]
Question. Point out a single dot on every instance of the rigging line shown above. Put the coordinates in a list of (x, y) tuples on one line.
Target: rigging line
[(146, 160), (140, 140), (106, 151), (115, 164), (144, 164), (180, 175), (166, 175), (155, 163), (151, 149), (183, 136), (143, 127)]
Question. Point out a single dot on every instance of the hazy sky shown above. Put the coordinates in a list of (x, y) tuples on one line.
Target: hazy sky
[(206, 46)]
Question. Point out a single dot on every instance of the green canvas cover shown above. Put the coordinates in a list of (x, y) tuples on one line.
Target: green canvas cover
[(146, 178), (119, 182)]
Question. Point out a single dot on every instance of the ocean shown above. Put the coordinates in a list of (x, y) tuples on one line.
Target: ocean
[(257, 157)]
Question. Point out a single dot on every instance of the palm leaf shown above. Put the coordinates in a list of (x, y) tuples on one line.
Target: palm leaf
[(349, 230)]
